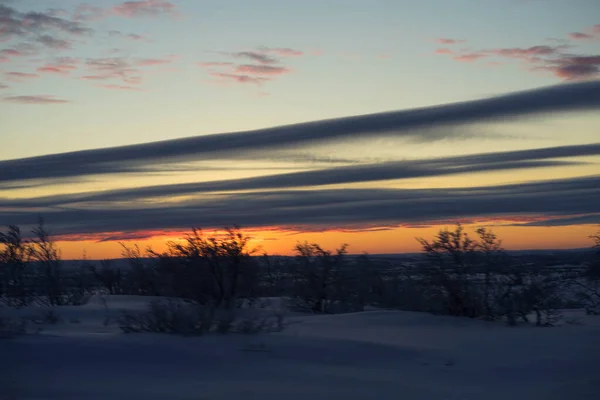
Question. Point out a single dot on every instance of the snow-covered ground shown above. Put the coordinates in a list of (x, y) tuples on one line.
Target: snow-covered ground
[(368, 355)]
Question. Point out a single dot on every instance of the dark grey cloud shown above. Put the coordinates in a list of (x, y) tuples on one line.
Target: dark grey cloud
[(33, 23), (256, 56), (333, 208), (477, 163), (577, 220), (416, 124)]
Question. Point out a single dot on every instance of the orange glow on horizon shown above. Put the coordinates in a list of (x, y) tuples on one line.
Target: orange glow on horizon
[(374, 241)]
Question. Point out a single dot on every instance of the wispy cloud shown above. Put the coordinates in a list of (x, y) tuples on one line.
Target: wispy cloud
[(449, 41), (256, 56), (58, 68), (211, 64), (129, 36), (121, 87), (268, 64), (53, 43), (11, 53), (408, 124), (145, 8), (469, 57), (283, 51), (580, 36), (238, 78), (261, 69), (558, 60), (89, 12), (117, 68), (33, 23), (39, 99), (17, 76), (146, 62)]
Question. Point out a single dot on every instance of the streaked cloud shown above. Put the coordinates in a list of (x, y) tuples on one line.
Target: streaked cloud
[(336, 208), (339, 175), (39, 99), (413, 124)]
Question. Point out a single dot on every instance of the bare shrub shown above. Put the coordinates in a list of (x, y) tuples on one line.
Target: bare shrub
[(175, 316), (109, 277), (169, 316), (216, 270), (475, 278)]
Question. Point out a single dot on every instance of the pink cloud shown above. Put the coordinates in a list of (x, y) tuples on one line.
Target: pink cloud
[(20, 76), (257, 80), (261, 70), (449, 41), (470, 57), (4, 59), (576, 67), (526, 52), (596, 29), (283, 51), (145, 8), (39, 99), (146, 62), (121, 87), (61, 69), (211, 64), (11, 53), (95, 77), (444, 50), (580, 36)]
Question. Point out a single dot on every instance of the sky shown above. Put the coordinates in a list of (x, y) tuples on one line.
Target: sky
[(367, 123)]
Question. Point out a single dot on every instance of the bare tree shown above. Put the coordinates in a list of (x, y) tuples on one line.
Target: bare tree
[(47, 256), (15, 255), (319, 278), (451, 256)]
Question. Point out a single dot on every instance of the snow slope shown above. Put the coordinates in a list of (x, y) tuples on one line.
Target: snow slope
[(368, 355)]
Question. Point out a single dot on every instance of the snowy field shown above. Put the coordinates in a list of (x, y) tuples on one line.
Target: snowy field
[(367, 355)]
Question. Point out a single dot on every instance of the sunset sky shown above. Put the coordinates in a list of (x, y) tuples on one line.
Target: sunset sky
[(335, 121)]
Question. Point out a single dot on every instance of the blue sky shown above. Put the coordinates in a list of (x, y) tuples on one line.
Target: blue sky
[(375, 56), (76, 76)]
